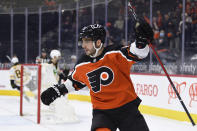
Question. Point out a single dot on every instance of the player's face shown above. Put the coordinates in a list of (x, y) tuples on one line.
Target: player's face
[(87, 45), (55, 60), (44, 54)]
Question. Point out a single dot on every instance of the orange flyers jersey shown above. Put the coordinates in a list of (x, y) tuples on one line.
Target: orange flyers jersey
[(107, 76)]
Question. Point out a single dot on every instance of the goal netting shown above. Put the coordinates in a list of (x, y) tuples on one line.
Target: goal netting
[(37, 78)]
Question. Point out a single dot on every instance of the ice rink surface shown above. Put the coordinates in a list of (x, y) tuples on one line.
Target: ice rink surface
[(11, 121)]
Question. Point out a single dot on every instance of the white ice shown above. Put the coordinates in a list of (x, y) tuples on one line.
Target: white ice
[(11, 121)]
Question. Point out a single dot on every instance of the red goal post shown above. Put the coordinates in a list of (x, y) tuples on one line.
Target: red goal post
[(38, 66), (37, 78)]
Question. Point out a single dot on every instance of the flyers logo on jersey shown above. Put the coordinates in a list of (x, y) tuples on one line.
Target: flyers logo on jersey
[(101, 76)]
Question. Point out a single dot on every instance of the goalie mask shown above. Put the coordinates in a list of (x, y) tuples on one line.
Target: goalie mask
[(94, 32)]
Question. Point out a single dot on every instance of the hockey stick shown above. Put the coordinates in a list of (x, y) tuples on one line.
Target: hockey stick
[(131, 10), (9, 58)]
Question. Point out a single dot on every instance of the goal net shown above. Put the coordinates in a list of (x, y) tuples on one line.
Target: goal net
[(37, 78)]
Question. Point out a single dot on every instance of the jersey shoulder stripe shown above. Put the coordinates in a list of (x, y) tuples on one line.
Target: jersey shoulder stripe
[(126, 51)]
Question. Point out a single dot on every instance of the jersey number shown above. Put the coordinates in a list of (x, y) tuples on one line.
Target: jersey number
[(18, 73)]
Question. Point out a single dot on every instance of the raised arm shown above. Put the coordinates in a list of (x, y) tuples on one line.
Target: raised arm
[(144, 34)]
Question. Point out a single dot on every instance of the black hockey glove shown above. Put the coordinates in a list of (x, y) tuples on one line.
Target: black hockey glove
[(50, 94), (14, 86), (17, 87), (144, 33), (64, 74)]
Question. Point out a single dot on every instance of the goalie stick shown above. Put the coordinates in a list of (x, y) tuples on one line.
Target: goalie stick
[(131, 10)]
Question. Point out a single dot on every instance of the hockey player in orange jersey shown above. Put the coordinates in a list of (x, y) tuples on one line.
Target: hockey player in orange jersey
[(106, 72)]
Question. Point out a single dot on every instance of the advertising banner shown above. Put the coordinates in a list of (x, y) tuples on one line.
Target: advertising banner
[(5, 80), (156, 91)]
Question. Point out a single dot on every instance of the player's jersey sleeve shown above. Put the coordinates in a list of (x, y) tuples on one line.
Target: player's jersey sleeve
[(135, 54), (73, 82), (73, 85), (12, 73), (141, 53), (77, 85)]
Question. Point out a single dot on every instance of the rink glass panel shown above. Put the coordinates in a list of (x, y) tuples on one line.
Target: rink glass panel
[(60, 24)]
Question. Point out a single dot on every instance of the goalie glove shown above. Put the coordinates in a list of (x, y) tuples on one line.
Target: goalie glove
[(50, 94), (144, 33)]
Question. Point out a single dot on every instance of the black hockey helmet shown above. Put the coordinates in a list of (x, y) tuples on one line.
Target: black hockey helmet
[(95, 32)]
